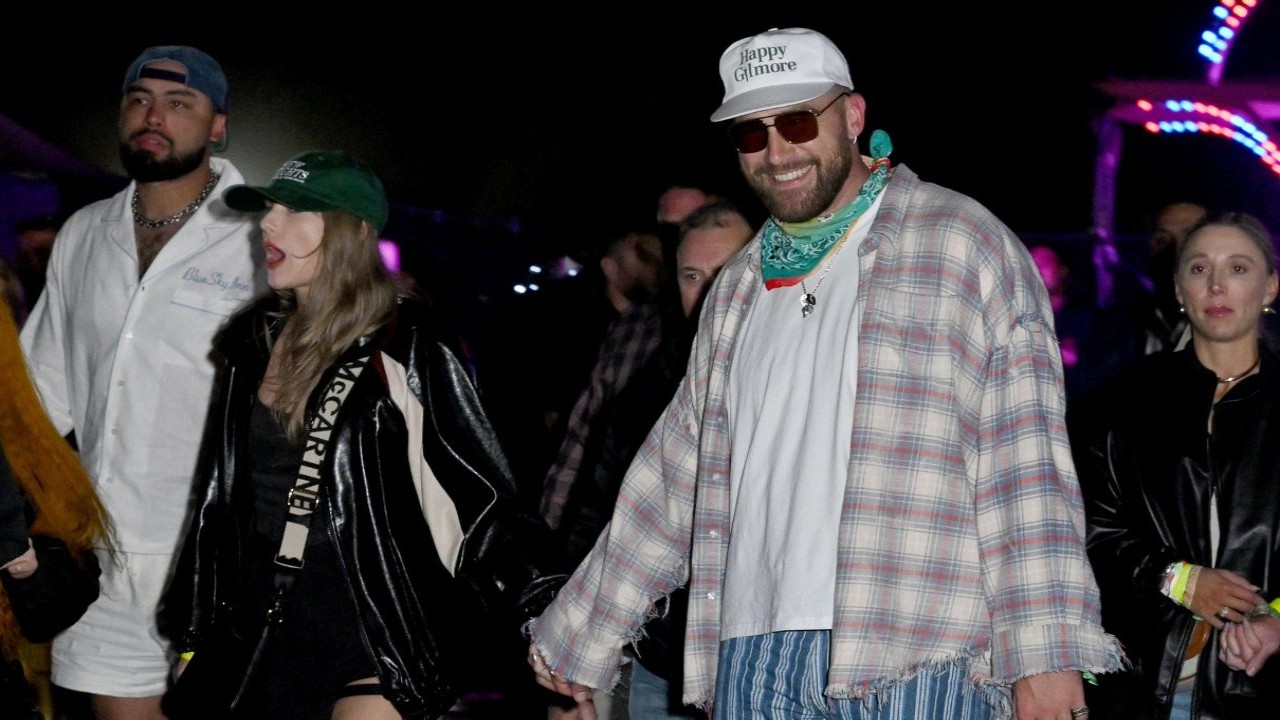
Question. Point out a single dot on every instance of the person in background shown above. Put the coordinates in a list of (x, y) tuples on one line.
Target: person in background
[(633, 270), (1164, 326), (1180, 476), (35, 238)]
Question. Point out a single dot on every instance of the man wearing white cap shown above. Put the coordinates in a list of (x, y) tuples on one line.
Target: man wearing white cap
[(119, 345), (865, 473)]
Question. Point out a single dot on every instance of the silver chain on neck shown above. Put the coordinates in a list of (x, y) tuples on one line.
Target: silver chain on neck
[(809, 299), (146, 222)]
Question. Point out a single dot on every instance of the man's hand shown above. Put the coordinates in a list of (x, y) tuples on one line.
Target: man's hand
[(549, 680), (1048, 696), (1247, 646)]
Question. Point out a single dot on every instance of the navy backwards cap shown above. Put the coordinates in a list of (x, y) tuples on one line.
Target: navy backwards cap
[(199, 71)]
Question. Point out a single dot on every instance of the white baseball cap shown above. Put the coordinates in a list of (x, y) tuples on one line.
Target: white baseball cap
[(778, 68)]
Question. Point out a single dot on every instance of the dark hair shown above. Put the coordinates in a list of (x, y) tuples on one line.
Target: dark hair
[(713, 214), (1245, 223)]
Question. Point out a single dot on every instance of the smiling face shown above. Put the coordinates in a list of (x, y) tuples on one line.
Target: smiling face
[(798, 182), (1224, 279), (291, 240), (166, 127)]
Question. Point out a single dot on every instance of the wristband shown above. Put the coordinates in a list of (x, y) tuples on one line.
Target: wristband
[(187, 655), (1272, 610), (1178, 588)]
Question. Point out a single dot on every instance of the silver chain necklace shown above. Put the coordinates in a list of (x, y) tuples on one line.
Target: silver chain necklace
[(810, 299), (146, 222)]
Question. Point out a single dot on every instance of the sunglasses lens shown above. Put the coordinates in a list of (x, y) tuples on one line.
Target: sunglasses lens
[(797, 127), (750, 136)]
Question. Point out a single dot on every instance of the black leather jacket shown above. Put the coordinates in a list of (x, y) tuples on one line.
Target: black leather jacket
[(415, 609), (1147, 474)]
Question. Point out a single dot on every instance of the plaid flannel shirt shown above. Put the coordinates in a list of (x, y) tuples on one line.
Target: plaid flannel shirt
[(961, 537), (633, 337)]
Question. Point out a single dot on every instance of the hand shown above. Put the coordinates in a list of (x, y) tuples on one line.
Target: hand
[(581, 711), (548, 679), (1217, 589), (1247, 646), (178, 668), (1048, 696), (23, 566)]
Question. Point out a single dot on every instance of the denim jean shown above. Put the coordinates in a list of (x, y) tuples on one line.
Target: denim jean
[(783, 675), (1181, 706), (650, 697)]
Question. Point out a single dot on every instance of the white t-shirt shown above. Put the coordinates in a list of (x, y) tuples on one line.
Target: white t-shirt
[(791, 392)]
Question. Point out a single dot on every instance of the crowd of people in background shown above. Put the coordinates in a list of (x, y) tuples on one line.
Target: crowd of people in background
[(856, 451)]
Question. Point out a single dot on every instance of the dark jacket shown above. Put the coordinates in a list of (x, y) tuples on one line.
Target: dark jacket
[(419, 588), (1147, 474)]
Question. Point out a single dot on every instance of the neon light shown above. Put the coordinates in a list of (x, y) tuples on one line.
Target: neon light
[(1232, 126), (390, 253), (1217, 38)]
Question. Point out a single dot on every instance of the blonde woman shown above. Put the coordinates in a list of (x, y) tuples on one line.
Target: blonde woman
[(1183, 494), (410, 534)]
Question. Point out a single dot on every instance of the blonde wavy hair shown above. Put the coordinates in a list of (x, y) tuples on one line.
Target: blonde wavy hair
[(352, 295)]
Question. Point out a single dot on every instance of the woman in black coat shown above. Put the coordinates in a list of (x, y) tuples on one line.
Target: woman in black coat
[(1181, 480)]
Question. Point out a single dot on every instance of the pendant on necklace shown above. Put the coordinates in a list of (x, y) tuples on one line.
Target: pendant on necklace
[(807, 301)]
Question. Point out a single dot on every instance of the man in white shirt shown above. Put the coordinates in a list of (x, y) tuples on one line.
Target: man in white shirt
[(119, 343)]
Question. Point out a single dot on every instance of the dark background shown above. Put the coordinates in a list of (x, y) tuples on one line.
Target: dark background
[(560, 121), (509, 138)]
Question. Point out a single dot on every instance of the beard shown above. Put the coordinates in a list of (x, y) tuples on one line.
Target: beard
[(798, 206), (145, 168)]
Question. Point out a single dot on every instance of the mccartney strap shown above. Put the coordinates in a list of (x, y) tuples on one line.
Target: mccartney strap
[(306, 488)]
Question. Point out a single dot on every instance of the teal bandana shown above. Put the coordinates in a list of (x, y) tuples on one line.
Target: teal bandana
[(790, 251)]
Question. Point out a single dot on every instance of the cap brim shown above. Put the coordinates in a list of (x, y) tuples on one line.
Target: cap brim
[(248, 198), (769, 98)]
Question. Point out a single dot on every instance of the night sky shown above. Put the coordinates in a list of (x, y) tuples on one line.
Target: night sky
[(563, 122)]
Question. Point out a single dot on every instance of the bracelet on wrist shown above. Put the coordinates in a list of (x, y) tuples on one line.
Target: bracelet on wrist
[(1265, 610)]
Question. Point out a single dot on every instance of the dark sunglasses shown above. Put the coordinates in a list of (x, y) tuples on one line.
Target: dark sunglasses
[(799, 126)]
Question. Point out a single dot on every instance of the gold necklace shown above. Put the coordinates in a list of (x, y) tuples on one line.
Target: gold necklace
[(1233, 378)]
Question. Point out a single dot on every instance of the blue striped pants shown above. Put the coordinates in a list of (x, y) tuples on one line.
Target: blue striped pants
[(783, 674)]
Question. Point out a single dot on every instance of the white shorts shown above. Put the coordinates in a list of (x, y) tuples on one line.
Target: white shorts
[(116, 649)]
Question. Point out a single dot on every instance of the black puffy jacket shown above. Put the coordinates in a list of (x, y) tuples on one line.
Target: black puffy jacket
[(1148, 466), (420, 586)]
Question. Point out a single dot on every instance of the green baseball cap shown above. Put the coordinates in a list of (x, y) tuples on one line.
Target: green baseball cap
[(315, 181)]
